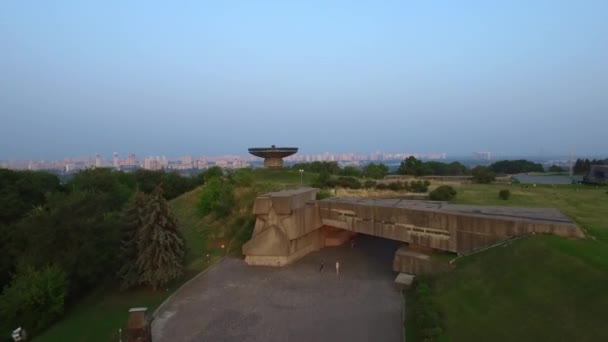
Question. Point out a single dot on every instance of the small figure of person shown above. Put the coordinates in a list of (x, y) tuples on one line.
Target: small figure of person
[(322, 266), (337, 268), (352, 243)]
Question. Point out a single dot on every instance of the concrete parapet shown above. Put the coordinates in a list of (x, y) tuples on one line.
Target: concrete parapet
[(412, 261)]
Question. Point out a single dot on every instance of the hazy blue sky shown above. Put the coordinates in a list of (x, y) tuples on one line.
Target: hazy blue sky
[(173, 78)]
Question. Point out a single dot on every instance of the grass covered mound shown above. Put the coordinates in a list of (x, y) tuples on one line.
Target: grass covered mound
[(535, 288), (539, 288)]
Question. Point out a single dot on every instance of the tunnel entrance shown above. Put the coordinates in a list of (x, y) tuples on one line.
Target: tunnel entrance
[(368, 254)]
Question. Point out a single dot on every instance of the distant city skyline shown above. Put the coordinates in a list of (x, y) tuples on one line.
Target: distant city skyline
[(132, 161), (201, 78)]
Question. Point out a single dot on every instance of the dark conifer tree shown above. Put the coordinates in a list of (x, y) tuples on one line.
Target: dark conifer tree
[(133, 219), (160, 243)]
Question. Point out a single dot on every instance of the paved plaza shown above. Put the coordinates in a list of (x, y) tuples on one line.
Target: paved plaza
[(236, 302)]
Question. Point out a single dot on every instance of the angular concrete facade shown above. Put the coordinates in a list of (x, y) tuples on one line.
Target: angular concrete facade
[(286, 228), (291, 224)]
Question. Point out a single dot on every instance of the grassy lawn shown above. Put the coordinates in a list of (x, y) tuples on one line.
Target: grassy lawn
[(536, 288)]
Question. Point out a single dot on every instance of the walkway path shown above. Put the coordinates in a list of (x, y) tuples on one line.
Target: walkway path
[(236, 302)]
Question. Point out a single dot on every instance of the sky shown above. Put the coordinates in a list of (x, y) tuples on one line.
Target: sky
[(211, 78)]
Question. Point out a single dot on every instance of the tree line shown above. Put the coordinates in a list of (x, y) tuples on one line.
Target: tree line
[(102, 227), (582, 166)]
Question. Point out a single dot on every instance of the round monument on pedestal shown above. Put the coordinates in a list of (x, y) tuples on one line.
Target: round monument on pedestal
[(273, 156)]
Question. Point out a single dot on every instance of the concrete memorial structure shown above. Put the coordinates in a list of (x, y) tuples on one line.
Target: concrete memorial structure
[(291, 224), (273, 156)]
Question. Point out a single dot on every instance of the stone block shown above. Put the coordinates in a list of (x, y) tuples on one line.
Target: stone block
[(404, 281), (262, 205)]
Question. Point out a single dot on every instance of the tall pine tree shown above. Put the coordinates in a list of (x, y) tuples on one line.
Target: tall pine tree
[(133, 219), (161, 246)]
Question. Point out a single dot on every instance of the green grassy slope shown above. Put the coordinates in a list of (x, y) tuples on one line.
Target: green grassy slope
[(536, 288)]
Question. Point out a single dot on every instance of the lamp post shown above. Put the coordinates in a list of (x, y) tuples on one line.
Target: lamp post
[(301, 176)]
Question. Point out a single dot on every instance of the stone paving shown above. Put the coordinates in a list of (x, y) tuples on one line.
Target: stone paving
[(236, 302)]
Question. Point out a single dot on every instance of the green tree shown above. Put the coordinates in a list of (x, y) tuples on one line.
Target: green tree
[(21, 191), (118, 185), (375, 171), (324, 180), (515, 166), (160, 244), (456, 169), (132, 223), (350, 171), (482, 174), (217, 197), (411, 166), (33, 300), (210, 173), (556, 168), (76, 232)]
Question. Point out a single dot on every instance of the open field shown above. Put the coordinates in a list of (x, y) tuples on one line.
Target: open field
[(535, 288)]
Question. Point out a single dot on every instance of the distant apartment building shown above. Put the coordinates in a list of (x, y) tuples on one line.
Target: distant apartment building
[(97, 160), (186, 162), (482, 155), (239, 164), (153, 163), (115, 161), (131, 160)]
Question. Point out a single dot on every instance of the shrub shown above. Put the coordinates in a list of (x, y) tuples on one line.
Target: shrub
[(504, 194), (323, 195), (324, 181), (243, 177), (418, 186), (397, 186), (217, 197), (33, 300), (442, 193), (381, 186), (349, 182), (482, 175), (369, 184)]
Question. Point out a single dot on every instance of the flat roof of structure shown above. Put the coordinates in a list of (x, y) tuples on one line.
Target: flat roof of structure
[(525, 213)]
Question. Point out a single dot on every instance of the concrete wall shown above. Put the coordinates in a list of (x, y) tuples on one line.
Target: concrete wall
[(440, 229), (412, 261), (287, 228), (291, 224)]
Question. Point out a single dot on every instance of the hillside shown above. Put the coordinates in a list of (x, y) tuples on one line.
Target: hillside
[(535, 288)]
